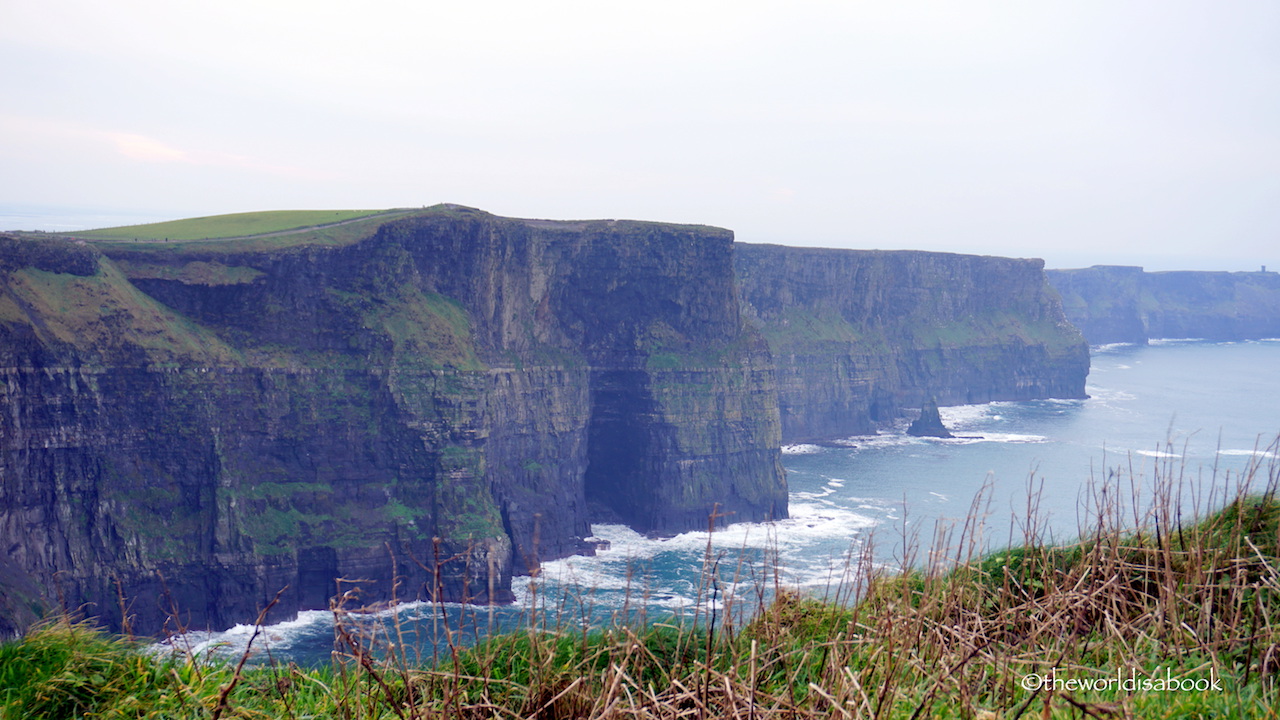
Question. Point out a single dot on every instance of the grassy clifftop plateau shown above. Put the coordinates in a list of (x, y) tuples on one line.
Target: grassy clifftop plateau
[(247, 232), (236, 225)]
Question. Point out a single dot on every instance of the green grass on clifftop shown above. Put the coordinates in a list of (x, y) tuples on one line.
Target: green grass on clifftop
[(238, 225)]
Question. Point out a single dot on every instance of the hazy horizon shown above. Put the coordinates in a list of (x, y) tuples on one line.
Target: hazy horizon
[(67, 220), (1081, 132)]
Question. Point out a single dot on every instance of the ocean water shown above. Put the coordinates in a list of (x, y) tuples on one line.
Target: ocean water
[(1207, 414), (62, 219)]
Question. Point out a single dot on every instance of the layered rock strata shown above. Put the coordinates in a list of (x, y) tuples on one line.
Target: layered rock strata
[(431, 404), (186, 430), (859, 336)]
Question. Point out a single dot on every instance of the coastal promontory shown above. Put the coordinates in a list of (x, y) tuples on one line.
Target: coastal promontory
[(421, 403), (426, 403)]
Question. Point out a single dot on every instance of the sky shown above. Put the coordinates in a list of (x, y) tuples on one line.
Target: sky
[(1082, 131)]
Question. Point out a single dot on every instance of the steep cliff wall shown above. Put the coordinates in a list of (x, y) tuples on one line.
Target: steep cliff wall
[(436, 403), (859, 336), (1124, 304)]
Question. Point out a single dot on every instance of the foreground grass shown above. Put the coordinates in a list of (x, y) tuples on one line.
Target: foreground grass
[(1168, 621)]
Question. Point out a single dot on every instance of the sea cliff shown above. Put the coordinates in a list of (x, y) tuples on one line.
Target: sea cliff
[(431, 401), (1123, 304), (859, 336), (186, 430)]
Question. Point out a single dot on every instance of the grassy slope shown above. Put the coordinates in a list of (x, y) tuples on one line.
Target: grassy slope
[(1196, 604), (344, 233), (106, 315), (226, 226)]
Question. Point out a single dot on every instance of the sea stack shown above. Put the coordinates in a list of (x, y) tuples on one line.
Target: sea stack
[(929, 424)]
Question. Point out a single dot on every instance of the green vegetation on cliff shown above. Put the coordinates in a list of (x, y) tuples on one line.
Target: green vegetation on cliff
[(108, 317), (859, 337), (243, 403), (246, 402), (236, 225), (339, 235), (251, 232)]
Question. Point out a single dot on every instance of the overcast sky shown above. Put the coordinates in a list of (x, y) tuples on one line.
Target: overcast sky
[(1077, 131)]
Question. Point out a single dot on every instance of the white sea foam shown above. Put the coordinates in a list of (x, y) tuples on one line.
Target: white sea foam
[(626, 564), (1068, 402), (1157, 454), (234, 641), (608, 568), (684, 604), (878, 505), (1249, 453), (591, 572), (801, 449), (1108, 347), (827, 572), (861, 442), (1008, 438), (961, 416), (970, 437), (1110, 398), (1174, 341), (825, 491), (809, 521)]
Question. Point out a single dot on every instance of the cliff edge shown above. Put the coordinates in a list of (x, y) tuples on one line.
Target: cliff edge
[(429, 403)]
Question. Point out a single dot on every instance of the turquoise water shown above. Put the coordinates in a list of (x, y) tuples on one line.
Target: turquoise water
[(1203, 412)]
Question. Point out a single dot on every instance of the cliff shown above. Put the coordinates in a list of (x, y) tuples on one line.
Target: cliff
[(1125, 304), (859, 336), (430, 401), (428, 404)]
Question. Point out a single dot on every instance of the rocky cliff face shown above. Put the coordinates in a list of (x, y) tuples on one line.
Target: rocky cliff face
[(1124, 304), (429, 407), (433, 403), (859, 336)]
